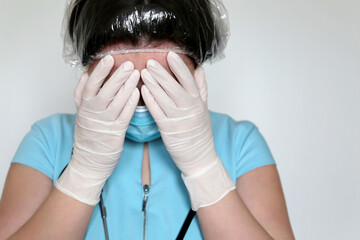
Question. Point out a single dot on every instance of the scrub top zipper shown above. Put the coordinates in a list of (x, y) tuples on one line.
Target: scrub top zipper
[(146, 196)]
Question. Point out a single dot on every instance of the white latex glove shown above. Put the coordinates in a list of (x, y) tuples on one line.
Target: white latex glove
[(181, 113), (104, 114)]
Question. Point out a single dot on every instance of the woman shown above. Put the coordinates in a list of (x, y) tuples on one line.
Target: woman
[(143, 154)]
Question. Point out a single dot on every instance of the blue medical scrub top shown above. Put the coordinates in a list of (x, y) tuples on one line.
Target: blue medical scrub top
[(48, 147)]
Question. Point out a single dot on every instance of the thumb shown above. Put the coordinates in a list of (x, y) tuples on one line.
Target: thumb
[(200, 80), (79, 89)]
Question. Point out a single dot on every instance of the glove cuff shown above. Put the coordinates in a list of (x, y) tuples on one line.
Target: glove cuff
[(209, 187), (82, 188)]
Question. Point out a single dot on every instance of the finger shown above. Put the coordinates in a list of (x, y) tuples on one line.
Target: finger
[(122, 96), (200, 80), (182, 73), (130, 106), (115, 82), (165, 102), (98, 76), (173, 89), (154, 108), (79, 89)]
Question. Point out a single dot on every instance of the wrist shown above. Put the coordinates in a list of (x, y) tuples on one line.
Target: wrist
[(208, 186), (79, 186)]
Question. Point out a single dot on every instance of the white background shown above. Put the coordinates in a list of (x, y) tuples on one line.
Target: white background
[(292, 68)]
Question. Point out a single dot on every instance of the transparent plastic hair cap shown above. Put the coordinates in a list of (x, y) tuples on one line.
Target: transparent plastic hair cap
[(74, 50)]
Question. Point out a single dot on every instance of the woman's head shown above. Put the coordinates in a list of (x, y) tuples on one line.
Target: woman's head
[(197, 27)]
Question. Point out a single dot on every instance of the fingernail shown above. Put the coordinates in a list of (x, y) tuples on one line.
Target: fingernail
[(199, 71), (145, 90), (146, 75), (151, 63), (173, 55), (174, 58), (128, 66), (107, 61), (135, 76)]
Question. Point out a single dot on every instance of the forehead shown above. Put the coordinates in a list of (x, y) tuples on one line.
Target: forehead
[(140, 59)]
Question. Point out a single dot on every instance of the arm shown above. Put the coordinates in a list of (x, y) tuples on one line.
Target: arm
[(32, 209), (179, 108), (256, 210), (100, 126)]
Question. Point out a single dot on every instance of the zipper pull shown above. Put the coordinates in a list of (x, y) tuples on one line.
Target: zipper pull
[(146, 193), (104, 215)]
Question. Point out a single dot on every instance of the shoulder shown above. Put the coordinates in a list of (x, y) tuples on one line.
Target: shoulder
[(56, 121), (224, 124), (55, 128), (55, 125), (47, 141), (240, 141)]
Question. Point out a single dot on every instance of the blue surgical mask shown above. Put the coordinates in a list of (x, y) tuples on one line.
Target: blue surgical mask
[(142, 127)]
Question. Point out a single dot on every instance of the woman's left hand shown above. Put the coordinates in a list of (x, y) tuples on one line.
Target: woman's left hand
[(181, 113)]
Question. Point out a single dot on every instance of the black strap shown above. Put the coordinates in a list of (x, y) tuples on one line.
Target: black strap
[(186, 224), (66, 164), (62, 171)]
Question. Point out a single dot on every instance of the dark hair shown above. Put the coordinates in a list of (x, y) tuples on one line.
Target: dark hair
[(95, 24)]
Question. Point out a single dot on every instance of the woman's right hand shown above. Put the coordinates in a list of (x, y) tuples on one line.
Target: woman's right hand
[(104, 114)]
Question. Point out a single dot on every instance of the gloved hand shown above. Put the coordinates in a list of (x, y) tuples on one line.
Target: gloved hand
[(104, 113), (181, 113)]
